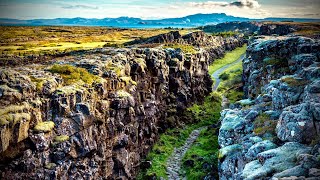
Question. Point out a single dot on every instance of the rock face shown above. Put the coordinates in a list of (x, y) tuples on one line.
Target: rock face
[(51, 129), (275, 133), (198, 39)]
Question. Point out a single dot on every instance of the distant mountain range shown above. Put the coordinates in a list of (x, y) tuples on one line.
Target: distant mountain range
[(129, 22)]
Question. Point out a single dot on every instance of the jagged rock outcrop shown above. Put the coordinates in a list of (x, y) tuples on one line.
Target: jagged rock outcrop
[(241, 27), (198, 39), (275, 133), (54, 128)]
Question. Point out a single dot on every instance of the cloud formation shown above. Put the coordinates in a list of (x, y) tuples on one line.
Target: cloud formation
[(245, 3), (251, 4), (79, 6)]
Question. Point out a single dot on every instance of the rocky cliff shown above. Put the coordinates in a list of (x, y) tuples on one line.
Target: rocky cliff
[(61, 122), (275, 133)]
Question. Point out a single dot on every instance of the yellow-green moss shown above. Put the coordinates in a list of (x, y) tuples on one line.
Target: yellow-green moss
[(122, 93), (50, 166), (62, 138), (263, 124), (14, 108), (70, 89), (128, 80), (71, 74), (185, 48), (46, 126), (142, 63)]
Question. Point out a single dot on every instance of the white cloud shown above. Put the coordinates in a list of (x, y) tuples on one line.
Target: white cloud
[(239, 8)]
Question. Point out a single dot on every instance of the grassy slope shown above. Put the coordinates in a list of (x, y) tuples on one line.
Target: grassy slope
[(226, 86), (227, 59)]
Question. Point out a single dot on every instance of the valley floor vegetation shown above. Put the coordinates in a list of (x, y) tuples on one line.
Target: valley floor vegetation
[(202, 158)]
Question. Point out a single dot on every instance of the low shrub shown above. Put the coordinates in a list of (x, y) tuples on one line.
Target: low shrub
[(224, 76)]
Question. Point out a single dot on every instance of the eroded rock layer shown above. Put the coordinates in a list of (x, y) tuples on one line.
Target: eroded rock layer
[(53, 128), (275, 133)]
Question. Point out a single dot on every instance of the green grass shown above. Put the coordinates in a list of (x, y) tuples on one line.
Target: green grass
[(203, 151), (229, 58), (206, 114), (228, 85)]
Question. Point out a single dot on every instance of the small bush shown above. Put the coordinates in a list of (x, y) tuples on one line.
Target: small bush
[(224, 76)]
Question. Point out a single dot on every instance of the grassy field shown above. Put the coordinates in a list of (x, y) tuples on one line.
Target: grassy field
[(227, 59), (229, 86), (36, 40)]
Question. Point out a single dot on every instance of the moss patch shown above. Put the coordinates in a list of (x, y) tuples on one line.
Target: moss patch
[(71, 74), (62, 138), (293, 82), (263, 125), (46, 126)]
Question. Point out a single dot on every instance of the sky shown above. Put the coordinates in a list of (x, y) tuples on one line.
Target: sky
[(151, 9)]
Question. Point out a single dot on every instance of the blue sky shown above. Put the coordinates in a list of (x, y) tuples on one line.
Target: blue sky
[(149, 9)]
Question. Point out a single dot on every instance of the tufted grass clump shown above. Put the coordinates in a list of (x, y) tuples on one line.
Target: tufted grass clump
[(293, 82), (46, 126), (71, 74), (185, 48)]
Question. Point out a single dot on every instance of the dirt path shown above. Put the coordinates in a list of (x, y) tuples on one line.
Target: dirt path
[(216, 74), (175, 160)]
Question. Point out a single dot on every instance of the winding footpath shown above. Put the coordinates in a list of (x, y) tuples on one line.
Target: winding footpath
[(175, 160), (216, 74)]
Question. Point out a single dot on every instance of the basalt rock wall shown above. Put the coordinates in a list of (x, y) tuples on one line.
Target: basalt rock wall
[(275, 133)]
